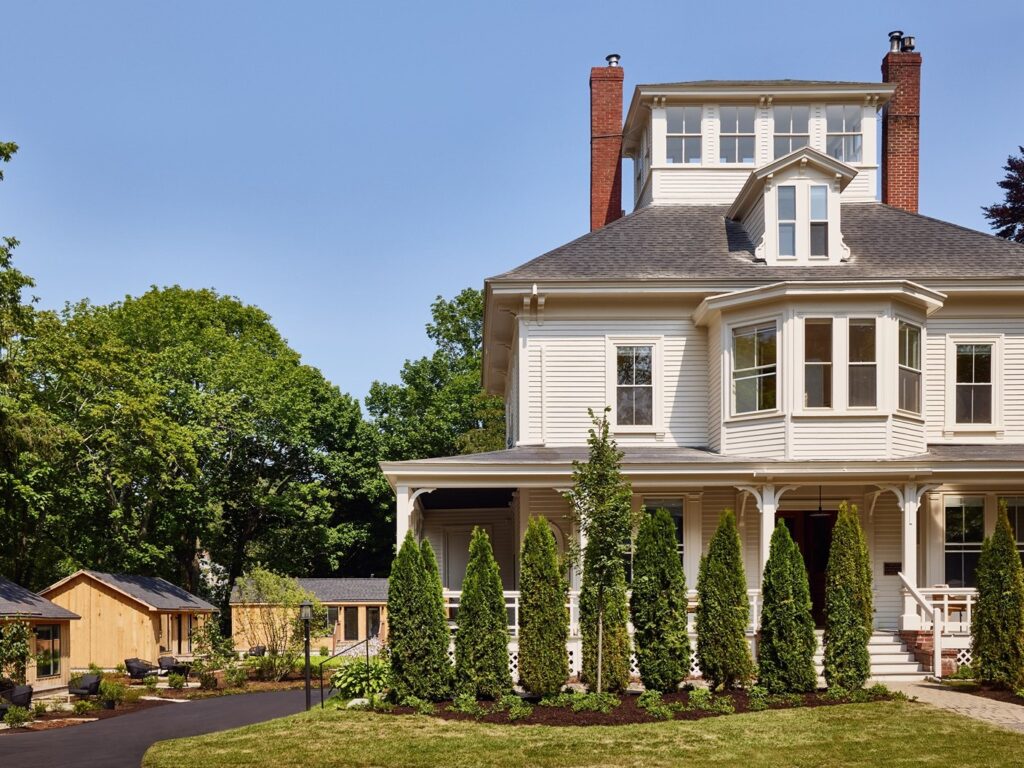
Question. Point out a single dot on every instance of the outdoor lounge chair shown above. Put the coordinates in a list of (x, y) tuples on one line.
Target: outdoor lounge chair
[(18, 696), (258, 650), (171, 666), (89, 685), (138, 669)]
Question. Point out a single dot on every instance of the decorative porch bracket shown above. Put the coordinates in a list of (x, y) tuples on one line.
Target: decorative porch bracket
[(406, 514), (767, 498), (909, 497)]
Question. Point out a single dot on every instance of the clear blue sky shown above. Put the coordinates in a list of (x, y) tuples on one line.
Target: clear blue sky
[(340, 165)]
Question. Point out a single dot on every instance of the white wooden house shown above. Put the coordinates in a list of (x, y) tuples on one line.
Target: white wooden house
[(771, 337)]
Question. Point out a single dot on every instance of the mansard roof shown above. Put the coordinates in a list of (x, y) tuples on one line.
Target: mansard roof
[(699, 242)]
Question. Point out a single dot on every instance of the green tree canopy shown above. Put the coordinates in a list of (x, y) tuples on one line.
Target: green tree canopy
[(1007, 217)]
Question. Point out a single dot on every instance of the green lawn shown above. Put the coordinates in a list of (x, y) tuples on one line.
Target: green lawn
[(881, 734)]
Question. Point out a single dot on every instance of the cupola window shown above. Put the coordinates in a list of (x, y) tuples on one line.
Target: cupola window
[(791, 129), (683, 140), (736, 135), (844, 139)]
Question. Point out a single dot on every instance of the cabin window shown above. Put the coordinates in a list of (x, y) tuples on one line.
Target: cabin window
[(634, 390), (791, 131), (787, 221), (965, 532), (1015, 511), (332, 616), (373, 621), (754, 368), (843, 140), (863, 374), (973, 383), (910, 367), (818, 363), (819, 220), (736, 135), (683, 137), (47, 650), (351, 616)]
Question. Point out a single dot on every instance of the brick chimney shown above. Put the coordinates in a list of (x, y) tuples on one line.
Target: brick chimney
[(605, 143), (901, 123)]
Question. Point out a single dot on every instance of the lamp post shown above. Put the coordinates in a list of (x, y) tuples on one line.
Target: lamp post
[(306, 614)]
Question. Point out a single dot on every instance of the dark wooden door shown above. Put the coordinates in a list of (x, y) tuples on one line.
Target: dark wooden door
[(812, 532)]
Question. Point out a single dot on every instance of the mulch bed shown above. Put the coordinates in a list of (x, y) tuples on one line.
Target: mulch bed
[(626, 713), (996, 694), (53, 720)]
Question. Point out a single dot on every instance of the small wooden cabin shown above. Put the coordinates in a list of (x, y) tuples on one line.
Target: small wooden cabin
[(357, 609), (49, 669), (126, 616)]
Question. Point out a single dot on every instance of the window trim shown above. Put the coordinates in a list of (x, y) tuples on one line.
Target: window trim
[(730, 330), (831, 364), (952, 427), (736, 135), (946, 497), (901, 320), (844, 133), (657, 425), (879, 330), (699, 135), (54, 660), (789, 135)]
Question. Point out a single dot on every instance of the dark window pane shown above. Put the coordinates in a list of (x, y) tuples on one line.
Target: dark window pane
[(818, 341), (787, 203), (746, 395), (781, 147), (965, 363), (743, 351), (974, 403), (351, 623), (624, 406), (727, 119), (332, 616), (766, 346), (862, 341), (373, 621), (954, 524), (863, 386), (954, 569), (982, 363), (818, 386), (674, 150), (970, 569), (642, 365), (745, 149), (910, 345), (642, 405), (692, 149), (766, 393), (910, 390), (819, 239), (624, 364)]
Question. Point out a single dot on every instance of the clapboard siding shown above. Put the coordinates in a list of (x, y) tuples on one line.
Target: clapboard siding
[(906, 437), (887, 546), (534, 393), (1012, 397), (512, 404), (575, 371), (436, 521), (553, 506), (697, 186), (758, 438), (714, 338), (825, 438), (754, 222)]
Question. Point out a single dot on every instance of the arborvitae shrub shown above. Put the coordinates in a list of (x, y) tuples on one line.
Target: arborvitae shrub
[(722, 609), (785, 650), (848, 609), (997, 626), (543, 615), (481, 642), (437, 637), (658, 605)]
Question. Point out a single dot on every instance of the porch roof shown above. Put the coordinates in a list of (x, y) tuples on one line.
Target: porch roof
[(16, 601), (545, 464)]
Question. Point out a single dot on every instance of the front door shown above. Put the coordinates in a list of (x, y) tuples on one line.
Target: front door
[(812, 532)]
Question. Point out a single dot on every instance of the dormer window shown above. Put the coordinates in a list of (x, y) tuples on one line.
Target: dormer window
[(736, 135), (819, 220), (683, 135), (843, 140), (787, 221), (791, 129)]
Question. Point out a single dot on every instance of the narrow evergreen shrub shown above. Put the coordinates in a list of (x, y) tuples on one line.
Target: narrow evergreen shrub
[(848, 608), (543, 615), (997, 626), (481, 642), (722, 609), (658, 605), (417, 630), (785, 651)]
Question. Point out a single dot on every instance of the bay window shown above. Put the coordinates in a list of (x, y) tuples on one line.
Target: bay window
[(909, 367), (973, 384), (791, 129), (683, 139), (634, 390), (862, 371), (817, 363), (736, 135), (754, 368), (965, 532)]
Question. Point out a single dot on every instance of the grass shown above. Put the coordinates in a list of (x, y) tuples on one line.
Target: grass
[(889, 734)]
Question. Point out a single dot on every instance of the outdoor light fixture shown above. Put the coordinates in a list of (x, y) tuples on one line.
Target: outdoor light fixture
[(820, 512), (306, 614)]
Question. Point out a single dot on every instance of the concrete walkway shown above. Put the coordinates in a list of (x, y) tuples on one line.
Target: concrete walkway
[(120, 742), (999, 713)]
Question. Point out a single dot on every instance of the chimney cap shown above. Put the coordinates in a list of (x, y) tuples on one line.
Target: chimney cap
[(612, 59), (895, 40), (907, 44)]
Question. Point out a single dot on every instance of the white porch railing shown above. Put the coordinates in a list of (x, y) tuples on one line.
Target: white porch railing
[(935, 606)]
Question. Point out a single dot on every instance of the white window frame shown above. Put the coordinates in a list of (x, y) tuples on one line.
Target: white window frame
[(815, 319), (964, 547), (879, 331), (811, 221), (952, 427), (845, 133), (794, 222), (900, 320), (699, 135), (789, 134), (736, 135), (656, 427), (730, 330)]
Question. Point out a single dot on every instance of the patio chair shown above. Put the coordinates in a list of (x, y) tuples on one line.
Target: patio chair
[(18, 696), (138, 669), (88, 686), (171, 666), (258, 650)]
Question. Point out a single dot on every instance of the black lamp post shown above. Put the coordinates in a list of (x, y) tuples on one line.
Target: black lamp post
[(306, 614)]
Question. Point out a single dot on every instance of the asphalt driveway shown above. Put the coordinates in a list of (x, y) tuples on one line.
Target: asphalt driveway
[(120, 742)]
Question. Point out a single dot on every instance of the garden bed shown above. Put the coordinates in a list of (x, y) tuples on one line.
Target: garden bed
[(629, 710), (53, 720)]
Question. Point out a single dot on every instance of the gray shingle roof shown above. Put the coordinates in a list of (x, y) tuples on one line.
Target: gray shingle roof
[(340, 590), (15, 600), (154, 591), (683, 242)]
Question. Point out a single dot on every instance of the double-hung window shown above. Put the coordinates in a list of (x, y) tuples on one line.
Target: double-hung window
[(787, 220), (863, 364), (754, 369), (910, 367), (817, 363), (47, 651), (791, 132), (843, 139), (819, 220), (736, 135), (973, 384), (965, 532), (683, 140), (1015, 511), (634, 390)]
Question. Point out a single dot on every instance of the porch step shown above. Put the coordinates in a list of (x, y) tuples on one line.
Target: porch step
[(890, 660)]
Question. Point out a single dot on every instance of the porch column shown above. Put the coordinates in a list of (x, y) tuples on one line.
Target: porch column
[(767, 498), (909, 497), (403, 514)]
